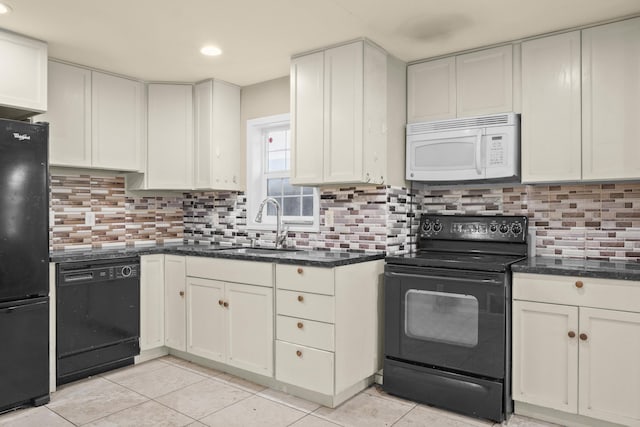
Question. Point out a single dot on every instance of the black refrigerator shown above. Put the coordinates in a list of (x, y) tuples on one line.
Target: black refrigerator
[(24, 264)]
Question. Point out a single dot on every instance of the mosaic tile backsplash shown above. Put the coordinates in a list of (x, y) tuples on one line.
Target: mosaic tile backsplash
[(587, 221), (370, 219), (592, 221), (119, 220)]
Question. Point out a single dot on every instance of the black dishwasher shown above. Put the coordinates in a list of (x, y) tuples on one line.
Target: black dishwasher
[(97, 317)]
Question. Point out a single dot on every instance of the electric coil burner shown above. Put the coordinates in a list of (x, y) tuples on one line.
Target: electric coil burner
[(448, 314)]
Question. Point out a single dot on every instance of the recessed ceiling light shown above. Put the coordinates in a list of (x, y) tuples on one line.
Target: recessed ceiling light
[(210, 51), (4, 9)]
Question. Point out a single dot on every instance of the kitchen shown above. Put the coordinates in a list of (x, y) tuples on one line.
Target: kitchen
[(100, 201)]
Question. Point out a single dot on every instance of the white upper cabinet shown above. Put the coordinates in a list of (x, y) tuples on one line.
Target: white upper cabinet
[(343, 112), (23, 76), (170, 136), (95, 119), (431, 90), (69, 115), (551, 110), (472, 84), (217, 136), (307, 117), (344, 116), (116, 122), (611, 101), (484, 82)]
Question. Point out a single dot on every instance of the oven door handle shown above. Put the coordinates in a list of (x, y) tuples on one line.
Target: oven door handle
[(457, 279)]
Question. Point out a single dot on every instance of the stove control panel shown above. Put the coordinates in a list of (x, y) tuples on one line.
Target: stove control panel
[(467, 227)]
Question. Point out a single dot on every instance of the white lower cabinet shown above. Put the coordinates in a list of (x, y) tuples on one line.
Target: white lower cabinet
[(206, 318), (151, 301), (545, 359), (327, 324), (305, 367), (576, 346), (175, 316), (231, 322), (327, 340)]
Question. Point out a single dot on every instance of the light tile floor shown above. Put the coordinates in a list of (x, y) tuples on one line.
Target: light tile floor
[(173, 392)]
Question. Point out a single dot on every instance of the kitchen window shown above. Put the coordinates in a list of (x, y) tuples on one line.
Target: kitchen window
[(268, 172)]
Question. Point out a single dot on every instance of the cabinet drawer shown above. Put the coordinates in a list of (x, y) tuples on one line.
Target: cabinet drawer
[(305, 305), (304, 367), (305, 332), (305, 279), (582, 291), (231, 270)]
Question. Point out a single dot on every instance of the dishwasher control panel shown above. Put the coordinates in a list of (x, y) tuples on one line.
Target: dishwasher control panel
[(84, 273)]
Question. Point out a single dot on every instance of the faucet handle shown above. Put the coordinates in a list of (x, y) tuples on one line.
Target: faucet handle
[(282, 238)]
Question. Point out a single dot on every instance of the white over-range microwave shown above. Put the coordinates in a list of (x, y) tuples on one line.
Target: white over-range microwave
[(465, 149)]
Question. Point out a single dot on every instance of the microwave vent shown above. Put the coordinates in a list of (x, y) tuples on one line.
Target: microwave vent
[(463, 123)]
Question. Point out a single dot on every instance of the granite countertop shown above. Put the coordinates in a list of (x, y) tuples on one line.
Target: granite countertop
[(579, 267), (319, 258)]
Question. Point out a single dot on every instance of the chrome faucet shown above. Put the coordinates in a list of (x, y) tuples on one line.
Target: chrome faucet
[(281, 232)]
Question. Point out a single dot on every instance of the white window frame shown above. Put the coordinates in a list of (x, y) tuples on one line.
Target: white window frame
[(256, 182)]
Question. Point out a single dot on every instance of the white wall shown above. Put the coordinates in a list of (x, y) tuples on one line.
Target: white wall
[(260, 100)]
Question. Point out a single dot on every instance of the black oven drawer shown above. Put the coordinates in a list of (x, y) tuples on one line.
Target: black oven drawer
[(470, 396)]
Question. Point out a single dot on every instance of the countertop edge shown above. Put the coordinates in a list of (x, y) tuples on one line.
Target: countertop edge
[(298, 257), (579, 268)]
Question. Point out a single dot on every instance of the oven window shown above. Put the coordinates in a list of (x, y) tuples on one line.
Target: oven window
[(441, 317)]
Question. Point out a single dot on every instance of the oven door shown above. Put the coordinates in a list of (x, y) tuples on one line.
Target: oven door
[(453, 319)]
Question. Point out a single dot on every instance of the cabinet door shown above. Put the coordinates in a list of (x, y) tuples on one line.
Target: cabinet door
[(225, 136), (611, 101), (206, 319), (610, 365), (431, 90), (175, 320), (116, 122), (69, 115), (484, 82), (23, 75), (151, 301), (307, 119), (343, 114), (217, 160), (551, 115), (250, 328), (545, 357), (170, 137)]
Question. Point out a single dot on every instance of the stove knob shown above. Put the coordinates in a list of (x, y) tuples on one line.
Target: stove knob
[(493, 228), (516, 228), (126, 271), (426, 226), (437, 227), (504, 228)]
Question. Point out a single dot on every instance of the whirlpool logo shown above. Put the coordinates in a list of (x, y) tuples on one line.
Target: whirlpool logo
[(22, 137)]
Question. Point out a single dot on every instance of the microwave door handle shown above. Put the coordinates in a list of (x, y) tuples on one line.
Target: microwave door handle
[(479, 153)]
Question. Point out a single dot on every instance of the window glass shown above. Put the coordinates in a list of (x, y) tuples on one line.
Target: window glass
[(268, 175), (442, 317)]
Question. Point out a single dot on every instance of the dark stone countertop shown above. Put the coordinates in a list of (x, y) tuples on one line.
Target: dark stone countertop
[(318, 258), (579, 267)]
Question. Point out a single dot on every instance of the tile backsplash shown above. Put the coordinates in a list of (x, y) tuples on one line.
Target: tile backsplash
[(372, 219), (119, 220), (592, 221), (587, 221)]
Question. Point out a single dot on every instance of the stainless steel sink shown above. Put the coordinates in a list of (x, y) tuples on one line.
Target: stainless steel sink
[(259, 251)]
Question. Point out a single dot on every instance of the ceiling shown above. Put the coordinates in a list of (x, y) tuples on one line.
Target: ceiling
[(159, 40)]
